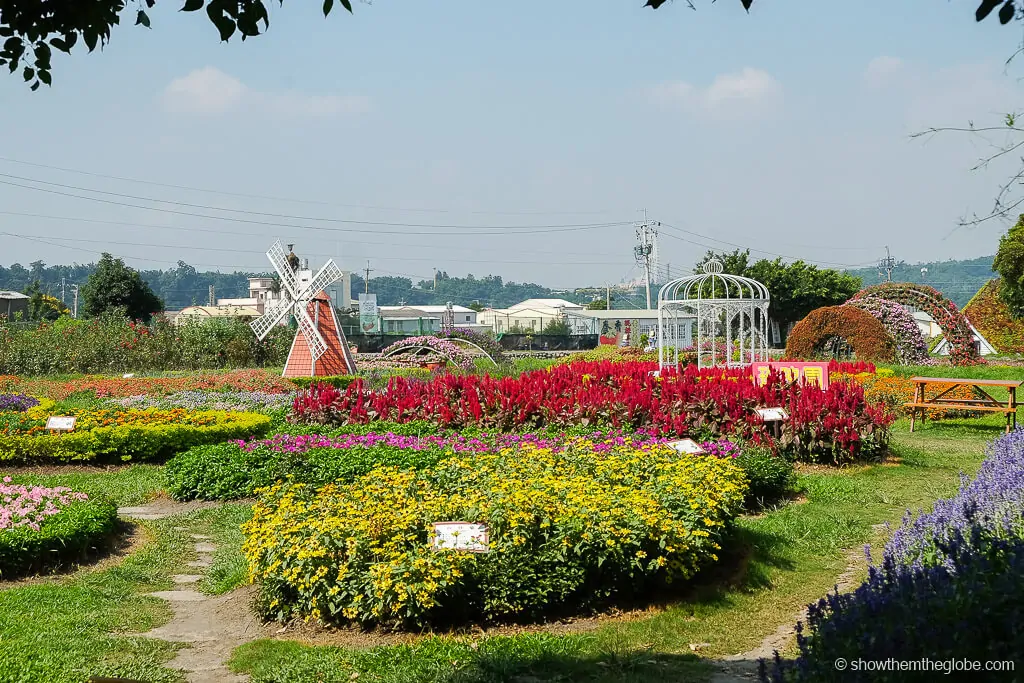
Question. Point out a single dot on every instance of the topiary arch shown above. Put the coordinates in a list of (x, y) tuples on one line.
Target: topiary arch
[(944, 312), (911, 348), (863, 331)]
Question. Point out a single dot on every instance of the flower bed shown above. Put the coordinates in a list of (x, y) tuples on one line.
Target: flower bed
[(122, 387), (237, 469), (17, 403), (993, 319), (833, 425), (949, 584), (244, 401), (41, 528), (893, 392), (911, 348), (568, 530), (113, 435)]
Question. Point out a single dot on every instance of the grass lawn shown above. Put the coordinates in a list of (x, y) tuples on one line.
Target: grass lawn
[(792, 556)]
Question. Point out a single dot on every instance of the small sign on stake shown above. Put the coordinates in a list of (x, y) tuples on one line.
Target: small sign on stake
[(688, 446), (60, 423), (773, 414), (461, 536)]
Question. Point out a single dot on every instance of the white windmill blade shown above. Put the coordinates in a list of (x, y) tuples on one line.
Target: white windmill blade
[(271, 317), (329, 274), (317, 345), (284, 269)]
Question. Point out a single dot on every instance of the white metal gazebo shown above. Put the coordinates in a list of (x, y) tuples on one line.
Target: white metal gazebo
[(728, 307)]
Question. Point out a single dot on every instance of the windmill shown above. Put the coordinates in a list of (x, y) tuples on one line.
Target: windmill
[(319, 347)]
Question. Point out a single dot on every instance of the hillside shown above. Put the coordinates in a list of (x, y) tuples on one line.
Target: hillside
[(958, 280)]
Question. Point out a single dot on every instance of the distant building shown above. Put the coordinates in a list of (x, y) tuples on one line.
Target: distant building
[(261, 293), (12, 303), (531, 315), (625, 326), (219, 311), (424, 319)]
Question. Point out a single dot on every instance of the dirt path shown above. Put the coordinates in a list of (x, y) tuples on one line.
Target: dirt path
[(742, 667), (213, 625)]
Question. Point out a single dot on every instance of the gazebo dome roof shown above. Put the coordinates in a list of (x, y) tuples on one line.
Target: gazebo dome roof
[(705, 286)]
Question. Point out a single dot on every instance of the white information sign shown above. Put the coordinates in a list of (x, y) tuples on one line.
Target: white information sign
[(772, 414), (464, 536), (60, 423), (688, 446)]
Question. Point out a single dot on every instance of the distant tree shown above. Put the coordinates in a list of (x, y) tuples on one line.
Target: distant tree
[(557, 327), (735, 262), (597, 305), (1009, 263), (476, 306), (113, 286)]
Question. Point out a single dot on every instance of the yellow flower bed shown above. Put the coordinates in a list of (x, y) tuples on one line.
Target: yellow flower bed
[(123, 434), (568, 528)]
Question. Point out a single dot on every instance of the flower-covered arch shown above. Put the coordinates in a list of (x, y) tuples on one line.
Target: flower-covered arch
[(911, 348), (944, 312), (861, 330), (434, 346)]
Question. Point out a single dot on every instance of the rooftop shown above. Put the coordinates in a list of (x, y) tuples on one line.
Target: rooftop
[(544, 303), (7, 294)]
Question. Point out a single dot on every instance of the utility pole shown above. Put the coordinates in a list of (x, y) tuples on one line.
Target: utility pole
[(367, 280), (887, 264), (62, 299), (212, 299), (646, 251), (607, 297), (435, 279), (74, 310)]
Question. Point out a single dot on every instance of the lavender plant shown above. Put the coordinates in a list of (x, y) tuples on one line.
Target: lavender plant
[(17, 403)]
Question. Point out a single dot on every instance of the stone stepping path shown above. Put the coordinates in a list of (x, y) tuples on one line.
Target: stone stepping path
[(213, 625)]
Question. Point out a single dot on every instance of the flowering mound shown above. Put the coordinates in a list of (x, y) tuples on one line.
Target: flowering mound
[(865, 334), (992, 318), (911, 348), (41, 528), (834, 425), (568, 530), (436, 346), (108, 434), (121, 387), (486, 343), (17, 403), (950, 583), (210, 400), (943, 311)]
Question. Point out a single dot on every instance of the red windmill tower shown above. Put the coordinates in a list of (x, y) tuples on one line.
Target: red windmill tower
[(320, 348)]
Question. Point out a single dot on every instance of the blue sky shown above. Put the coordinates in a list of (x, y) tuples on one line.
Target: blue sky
[(785, 130)]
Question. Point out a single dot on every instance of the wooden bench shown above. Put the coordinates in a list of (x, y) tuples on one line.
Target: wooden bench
[(986, 404)]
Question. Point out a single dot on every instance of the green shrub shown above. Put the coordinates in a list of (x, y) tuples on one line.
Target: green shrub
[(771, 477), (228, 471), (71, 535), (136, 440)]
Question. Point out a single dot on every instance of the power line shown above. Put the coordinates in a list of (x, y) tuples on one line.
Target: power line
[(300, 201), (268, 234), (265, 214)]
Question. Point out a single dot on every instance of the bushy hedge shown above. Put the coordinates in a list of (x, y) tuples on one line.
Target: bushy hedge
[(865, 333), (78, 528), (144, 434), (770, 477), (568, 529), (115, 344)]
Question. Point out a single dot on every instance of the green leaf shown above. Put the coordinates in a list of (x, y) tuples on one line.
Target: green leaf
[(44, 76), (29, 73), (90, 39), (35, 86), (43, 54), (347, 5), (142, 18), (60, 45), (1006, 12), (12, 44), (225, 26), (328, 5), (150, 3), (192, 5)]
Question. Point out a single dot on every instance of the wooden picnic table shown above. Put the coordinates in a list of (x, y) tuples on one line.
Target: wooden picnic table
[(986, 403)]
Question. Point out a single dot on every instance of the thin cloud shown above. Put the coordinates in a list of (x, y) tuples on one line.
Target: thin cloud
[(209, 92), (882, 70), (744, 89)]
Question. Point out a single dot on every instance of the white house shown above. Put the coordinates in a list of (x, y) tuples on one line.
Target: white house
[(424, 319), (984, 347), (531, 315)]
